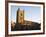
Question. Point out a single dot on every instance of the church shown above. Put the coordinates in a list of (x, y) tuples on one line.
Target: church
[(22, 24)]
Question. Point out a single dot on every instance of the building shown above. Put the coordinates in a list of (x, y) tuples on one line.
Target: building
[(22, 24), (20, 16)]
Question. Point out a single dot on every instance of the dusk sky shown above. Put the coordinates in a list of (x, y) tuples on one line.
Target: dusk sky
[(31, 13)]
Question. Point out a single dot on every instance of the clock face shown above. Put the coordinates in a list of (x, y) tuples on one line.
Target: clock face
[(21, 17)]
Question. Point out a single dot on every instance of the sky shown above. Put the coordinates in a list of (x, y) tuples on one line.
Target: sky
[(31, 13)]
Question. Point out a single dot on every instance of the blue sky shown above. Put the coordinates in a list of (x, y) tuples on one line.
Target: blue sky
[(31, 13)]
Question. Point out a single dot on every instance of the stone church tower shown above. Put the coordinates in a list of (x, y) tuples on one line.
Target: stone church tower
[(20, 16)]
